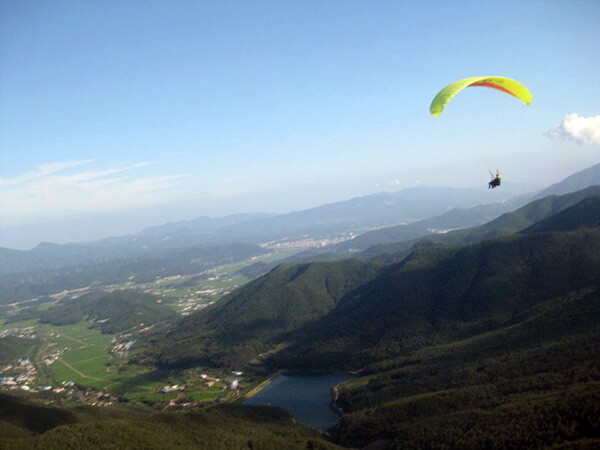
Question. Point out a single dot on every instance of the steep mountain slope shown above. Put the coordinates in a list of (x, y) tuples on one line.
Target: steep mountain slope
[(506, 339), (532, 383), (585, 214), (440, 294)]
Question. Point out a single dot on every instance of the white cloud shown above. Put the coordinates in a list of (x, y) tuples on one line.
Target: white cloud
[(585, 130), (66, 189)]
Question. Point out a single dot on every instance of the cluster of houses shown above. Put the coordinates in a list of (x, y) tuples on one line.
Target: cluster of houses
[(100, 398), (23, 375), (18, 376), (191, 301), (120, 349), (201, 298), (209, 381), (307, 242), (67, 387), (174, 388), (189, 305), (23, 333), (179, 403), (55, 355), (233, 384)]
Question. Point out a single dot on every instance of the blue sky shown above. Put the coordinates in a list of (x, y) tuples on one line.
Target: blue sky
[(119, 115)]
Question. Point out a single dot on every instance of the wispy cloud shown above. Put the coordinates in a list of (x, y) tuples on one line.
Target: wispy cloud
[(77, 188), (585, 130), (41, 171)]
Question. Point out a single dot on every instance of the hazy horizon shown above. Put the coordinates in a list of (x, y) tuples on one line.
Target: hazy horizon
[(115, 117), (92, 228)]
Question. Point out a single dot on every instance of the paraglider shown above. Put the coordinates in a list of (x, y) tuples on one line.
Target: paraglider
[(495, 181), (502, 84)]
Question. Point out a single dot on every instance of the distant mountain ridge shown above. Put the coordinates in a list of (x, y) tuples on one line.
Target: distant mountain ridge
[(334, 218), (358, 213), (507, 223), (148, 243), (576, 182), (454, 219), (26, 274)]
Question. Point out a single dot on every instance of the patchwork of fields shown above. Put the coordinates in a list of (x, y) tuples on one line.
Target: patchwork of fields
[(86, 361)]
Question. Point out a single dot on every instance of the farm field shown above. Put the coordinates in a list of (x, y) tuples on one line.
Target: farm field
[(87, 358), (86, 361)]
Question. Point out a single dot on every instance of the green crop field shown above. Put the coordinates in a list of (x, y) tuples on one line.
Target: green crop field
[(85, 360), (207, 395)]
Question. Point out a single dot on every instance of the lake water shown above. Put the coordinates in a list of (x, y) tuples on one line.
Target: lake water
[(307, 398)]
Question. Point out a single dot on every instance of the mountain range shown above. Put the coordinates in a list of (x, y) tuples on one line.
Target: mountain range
[(486, 336), (490, 343), (345, 314), (423, 210), (168, 249), (352, 215), (454, 219)]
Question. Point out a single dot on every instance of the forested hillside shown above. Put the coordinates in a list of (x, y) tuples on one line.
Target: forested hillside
[(260, 316), (533, 382), (343, 315), (440, 294), (27, 425), (111, 313)]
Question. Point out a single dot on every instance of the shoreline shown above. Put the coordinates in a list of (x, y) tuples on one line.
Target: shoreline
[(333, 403), (260, 386)]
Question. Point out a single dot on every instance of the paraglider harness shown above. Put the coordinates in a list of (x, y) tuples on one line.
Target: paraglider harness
[(495, 181)]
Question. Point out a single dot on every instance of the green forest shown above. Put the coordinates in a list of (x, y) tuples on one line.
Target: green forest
[(26, 425)]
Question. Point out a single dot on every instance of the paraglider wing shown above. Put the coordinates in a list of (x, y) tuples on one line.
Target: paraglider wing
[(503, 84)]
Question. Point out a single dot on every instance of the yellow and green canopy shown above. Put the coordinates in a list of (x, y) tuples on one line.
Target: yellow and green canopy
[(503, 84)]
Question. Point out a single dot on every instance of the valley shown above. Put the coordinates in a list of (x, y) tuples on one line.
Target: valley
[(84, 361), (448, 337), (233, 225)]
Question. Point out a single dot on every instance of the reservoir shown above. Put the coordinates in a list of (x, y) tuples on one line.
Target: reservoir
[(307, 398)]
